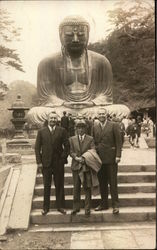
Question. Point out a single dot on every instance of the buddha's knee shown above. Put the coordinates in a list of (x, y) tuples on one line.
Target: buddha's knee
[(38, 115)]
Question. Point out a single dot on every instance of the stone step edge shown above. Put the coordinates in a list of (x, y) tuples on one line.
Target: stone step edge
[(123, 165), (137, 184), (121, 196), (129, 209), (79, 227), (107, 216), (119, 174), (28, 157)]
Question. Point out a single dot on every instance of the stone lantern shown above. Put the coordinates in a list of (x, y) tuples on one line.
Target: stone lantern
[(18, 109)]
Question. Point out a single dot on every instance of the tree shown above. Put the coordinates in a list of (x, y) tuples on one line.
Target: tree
[(3, 90), (8, 32), (130, 49)]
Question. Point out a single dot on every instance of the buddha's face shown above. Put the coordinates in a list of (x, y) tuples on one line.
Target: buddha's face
[(75, 39)]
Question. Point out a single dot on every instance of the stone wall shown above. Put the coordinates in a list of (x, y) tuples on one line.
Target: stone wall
[(4, 171)]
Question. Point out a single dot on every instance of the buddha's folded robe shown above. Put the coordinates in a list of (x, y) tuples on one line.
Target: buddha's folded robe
[(54, 90), (76, 79)]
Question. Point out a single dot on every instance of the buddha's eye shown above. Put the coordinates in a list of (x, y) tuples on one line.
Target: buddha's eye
[(69, 34), (81, 33)]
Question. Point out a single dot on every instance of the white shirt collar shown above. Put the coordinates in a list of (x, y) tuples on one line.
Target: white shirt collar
[(103, 124), (50, 128), (82, 137)]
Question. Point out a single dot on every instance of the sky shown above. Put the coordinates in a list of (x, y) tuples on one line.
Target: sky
[(39, 37)]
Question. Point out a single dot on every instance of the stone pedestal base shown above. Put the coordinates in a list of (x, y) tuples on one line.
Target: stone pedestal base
[(10, 158), (38, 115), (20, 146)]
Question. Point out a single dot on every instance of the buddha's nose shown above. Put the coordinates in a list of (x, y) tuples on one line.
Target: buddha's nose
[(75, 38)]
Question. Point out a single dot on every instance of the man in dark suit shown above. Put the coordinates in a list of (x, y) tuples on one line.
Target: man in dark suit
[(65, 121), (52, 149), (79, 144), (71, 125), (108, 143)]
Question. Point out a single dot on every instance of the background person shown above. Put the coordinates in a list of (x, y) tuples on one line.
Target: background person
[(71, 125), (132, 131), (122, 129), (52, 149), (65, 121)]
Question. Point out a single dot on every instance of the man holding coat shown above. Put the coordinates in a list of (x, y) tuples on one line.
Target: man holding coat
[(85, 165)]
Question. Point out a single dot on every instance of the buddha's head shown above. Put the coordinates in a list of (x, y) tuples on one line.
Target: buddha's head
[(74, 34)]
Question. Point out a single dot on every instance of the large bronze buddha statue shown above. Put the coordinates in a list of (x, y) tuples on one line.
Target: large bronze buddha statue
[(76, 79)]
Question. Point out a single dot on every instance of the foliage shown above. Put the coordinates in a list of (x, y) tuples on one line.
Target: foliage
[(8, 33), (130, 49), (3, 90)]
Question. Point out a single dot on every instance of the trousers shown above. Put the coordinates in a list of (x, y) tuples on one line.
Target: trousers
[(77, 191), (108, 175), (58, 177)]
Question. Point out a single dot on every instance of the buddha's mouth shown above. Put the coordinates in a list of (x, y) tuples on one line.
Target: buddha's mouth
[(77, 46)]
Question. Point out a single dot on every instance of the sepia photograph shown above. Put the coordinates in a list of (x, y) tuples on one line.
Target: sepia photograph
[(77, 124)]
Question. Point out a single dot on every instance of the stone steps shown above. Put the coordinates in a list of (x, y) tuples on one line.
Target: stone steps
[(124, 168), (127, 214), (126, 200), (122, 188), (130, 177), (137, 194)]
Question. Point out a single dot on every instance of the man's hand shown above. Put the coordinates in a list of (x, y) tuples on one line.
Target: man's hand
[(79, 159), (40, 166), (117, 159)]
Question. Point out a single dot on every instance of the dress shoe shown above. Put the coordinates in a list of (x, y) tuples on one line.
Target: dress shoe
[(116, 210), (74, 212), (87, 212), (100, 208), (44, 211), (61, 210)]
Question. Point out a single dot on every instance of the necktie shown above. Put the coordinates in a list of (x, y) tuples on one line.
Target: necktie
[(53, 130)]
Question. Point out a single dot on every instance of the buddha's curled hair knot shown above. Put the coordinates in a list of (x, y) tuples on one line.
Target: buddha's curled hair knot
[(73, 20)]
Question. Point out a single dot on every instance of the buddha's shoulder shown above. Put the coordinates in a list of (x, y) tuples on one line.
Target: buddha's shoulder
[(53, 58), (98, 57)]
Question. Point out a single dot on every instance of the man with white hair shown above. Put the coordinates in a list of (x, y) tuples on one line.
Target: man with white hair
[(108, 143), (52, 149)]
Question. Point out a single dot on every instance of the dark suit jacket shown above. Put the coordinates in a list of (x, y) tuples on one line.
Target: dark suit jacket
[(51, 148), (108, 141), (88, 143)]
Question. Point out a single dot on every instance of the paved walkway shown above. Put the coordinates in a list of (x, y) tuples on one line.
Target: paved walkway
[(138, 156), (114, 239), (129, 157), (105, 235)]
